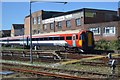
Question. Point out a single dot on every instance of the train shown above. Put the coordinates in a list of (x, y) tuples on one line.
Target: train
[(82, 40)]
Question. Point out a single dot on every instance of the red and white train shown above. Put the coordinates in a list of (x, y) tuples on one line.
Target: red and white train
[(82, 40)]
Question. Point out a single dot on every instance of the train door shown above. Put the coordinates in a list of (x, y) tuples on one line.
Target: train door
[(74, 40), (84, 40)]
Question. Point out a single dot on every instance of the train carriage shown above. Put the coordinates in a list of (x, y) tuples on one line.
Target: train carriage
[(82, 40)]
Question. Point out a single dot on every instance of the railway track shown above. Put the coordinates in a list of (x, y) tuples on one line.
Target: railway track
[(103, 62), (60, 71), (47, 69), (40, 55), (54, 61), (64, 76)]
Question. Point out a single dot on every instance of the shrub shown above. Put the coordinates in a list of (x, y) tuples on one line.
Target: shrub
[(107, 45)]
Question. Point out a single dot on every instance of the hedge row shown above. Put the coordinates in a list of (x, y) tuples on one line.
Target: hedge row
[(107, 45)]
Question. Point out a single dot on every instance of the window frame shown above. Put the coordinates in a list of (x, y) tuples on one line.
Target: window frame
[(59, 24), (68, 24), (44, 26), (34, 31), (39, 19), (108, 31), (76, 22), (95, 30), (68, 37), (51, 26), (34, 20)]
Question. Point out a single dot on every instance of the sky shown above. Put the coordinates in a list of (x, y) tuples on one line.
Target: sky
[(15, 12)]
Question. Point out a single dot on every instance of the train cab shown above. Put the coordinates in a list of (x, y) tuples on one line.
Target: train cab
[(83, 41), (86, 40)]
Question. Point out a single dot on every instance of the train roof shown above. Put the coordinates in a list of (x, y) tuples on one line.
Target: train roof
[(15, 37), (59, 33)]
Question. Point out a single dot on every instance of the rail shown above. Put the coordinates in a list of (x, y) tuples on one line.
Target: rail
[(62, 70), (35, 52), (47, 74)]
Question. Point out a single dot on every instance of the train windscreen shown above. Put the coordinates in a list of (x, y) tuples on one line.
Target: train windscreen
[(90, 38)]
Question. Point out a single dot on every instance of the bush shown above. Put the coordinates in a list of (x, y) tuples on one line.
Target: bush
[(107, 45)]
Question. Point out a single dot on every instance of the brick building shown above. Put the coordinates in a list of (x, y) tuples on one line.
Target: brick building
[(105, 30), (17, 30), (104, 23), (37, 18), (5, 33)]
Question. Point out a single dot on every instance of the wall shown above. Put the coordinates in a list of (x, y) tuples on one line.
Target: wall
[(18, 32), (102, 25), (63, 19), (27, 25), (12, 31), (97, 16)]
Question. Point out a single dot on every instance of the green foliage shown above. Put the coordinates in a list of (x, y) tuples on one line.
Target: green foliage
[(107, 45)]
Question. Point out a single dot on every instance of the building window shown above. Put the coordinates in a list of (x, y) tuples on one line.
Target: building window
[(77, 21), (108, 30), (96, 31), (38, 19), (51, 25), (38, 31), (34, 31), (68, 24), (44, 26), (34, 20), (90, 14), (59, 24)]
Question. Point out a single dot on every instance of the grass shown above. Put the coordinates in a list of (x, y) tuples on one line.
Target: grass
[(9, 48), (79, 67)]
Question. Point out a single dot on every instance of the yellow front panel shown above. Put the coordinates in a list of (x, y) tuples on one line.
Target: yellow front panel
[(80, 42), (89, 39)]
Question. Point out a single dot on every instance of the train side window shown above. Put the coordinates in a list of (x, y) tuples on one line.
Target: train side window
[(50, 38), (82, 36), (76, 36), (27, 38), (37, 39), (56, 38), (15, 40), (46, 38), (68, 37), (40, 39), (61, 38), (32, 39)]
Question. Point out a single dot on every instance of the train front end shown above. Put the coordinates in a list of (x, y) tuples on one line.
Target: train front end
[(86, 41)]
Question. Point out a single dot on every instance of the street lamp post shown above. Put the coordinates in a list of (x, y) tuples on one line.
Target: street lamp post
[(31, 1), (31, 58)]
